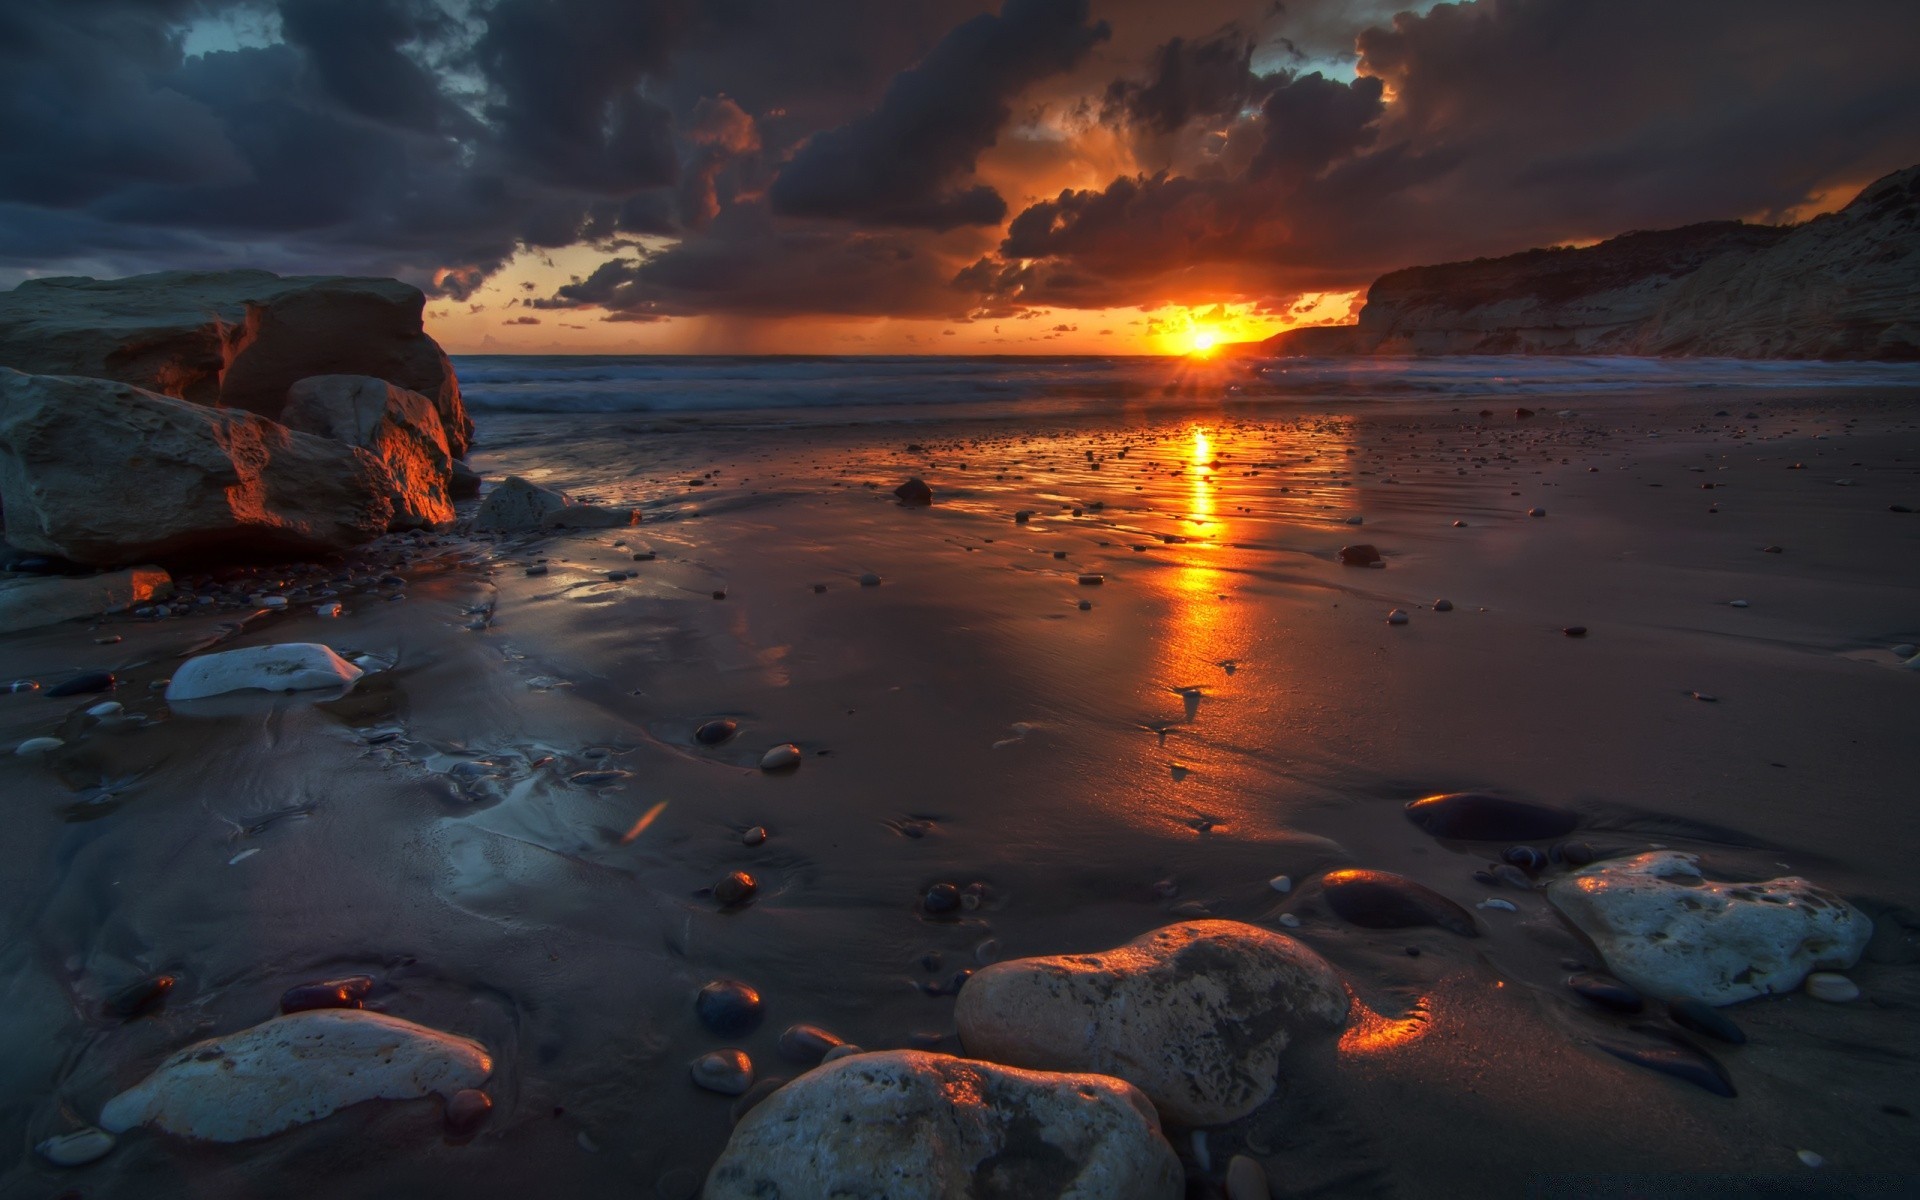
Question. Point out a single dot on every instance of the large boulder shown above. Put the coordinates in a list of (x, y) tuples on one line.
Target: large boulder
[(106, 474), (518, 506), (233, 338), (398, 427), (1195, 1015), (28, 602), (909, 1125), (1664, 928)]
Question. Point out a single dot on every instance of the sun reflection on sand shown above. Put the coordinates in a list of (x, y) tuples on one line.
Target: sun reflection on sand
[(1369, 1032)]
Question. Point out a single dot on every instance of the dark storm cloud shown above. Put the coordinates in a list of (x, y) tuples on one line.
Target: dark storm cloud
[(908, 162), (353, 47), (1203, 79)]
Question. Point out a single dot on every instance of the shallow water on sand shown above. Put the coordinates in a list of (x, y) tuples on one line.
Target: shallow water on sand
[(1232, 706)]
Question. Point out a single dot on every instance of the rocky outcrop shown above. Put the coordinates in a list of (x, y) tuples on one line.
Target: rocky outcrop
[(107, 474), (398, 427), (30, 601), (237, 339), (914, 1126), (1841, 286), (1195, 1015)]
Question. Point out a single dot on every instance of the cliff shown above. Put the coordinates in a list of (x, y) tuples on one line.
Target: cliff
[(1845, 285)]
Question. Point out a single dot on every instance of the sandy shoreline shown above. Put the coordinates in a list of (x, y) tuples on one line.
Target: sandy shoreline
[(967, 722)]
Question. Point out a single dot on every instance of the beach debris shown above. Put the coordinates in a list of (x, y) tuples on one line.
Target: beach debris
[(76, 1149), (912, 1125), (288, 667), (1362, 555), (1607, 993), (294, 1069), (1670, 1053), (517, 506), (466, 1110), (1383, 900), (1832, 987), (34, 747), (1246, 1179), (735, 888), (1397, 617), (914, 493), (1666, 930), (1482, 816), (1704, 1018), (729, 1072), (714, 732), (86, 683), (348, 992), (728, 1007), (1150, 1012), (783, 757)]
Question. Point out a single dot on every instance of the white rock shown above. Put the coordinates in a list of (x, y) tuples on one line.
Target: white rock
[(1151, 1012), (1498, 905), (330, 609), (33, 747), (908, 1125), (31, 601), (1668, 932), (1281, 883), (1289, 920), (780, 757), (289, 667), (1810, 1158), (109, 708), (1246, 1179), (1831, 987), (294, 1069), (273, 602), (76, 1149)]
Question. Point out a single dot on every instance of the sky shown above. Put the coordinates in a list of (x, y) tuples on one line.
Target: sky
[(916, 176)]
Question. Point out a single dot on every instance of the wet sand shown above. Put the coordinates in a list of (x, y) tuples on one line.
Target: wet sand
[(1232, 707)]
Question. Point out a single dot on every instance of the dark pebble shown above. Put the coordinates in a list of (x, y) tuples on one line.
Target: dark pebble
[(1575, 631), (1512, 877), (1526, 858), (1574, 854), (807, 1044), (712, 733), (1607, 992), (737, 888), (1362, 555), (719, 595), (729, 1072), (728, 1007), (950, 986), (940, 899), (1383, 900), (1671, 1054), (1523, 413), (130, 1002), (467, 1110), (914, 493), (85, 684), (1704, 1018), (1485, 877), (1477, 816), (755, 1094), (327, 993)]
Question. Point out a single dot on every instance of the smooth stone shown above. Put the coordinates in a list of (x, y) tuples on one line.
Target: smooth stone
[(914, 493), (1092, 580), (327, 993), (1281, 883), (1607, 993), (76, 1149), (1246, 1179), (1577, 854), (1496, 904), (756, 836), (84, 684), (1289, 920), (1512, 877), (1526, 858), (1536, 512), (1397, 617), (941, 898), (869, 580), (1704, 1018), (780, 758), (1575, 631), (33, 602), (909, 1125), (294, 1069), (1667, 931), (807, 1044), (537, 569), (1834, 989), (517, 506), (1737, 603), (134, 999), (466, 1110), (1085, 606), (736, 888), (1443, 606), (1671, 1054), (1151, 1012), (728, 1007), (729, 1072), (1383, 900), (1362, 555), (290, 667), (1478, 816), (1356, 520), (839, 1052), (37, 746), (713, 733), (1906, 650)]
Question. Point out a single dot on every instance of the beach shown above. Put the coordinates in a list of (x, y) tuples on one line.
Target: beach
[(1143, 701)]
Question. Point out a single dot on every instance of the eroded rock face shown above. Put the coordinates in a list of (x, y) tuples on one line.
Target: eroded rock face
[(29, 602), (1195, 1015), (396, 426), (908, 1125), (107, 474), (233, 338), (517, 506), (1670, 933), (294, 1069)]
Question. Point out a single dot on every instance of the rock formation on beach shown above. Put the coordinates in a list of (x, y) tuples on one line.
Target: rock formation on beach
[(1845, 285)]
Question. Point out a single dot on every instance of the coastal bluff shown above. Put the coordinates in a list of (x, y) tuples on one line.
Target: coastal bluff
[(1843, 286)]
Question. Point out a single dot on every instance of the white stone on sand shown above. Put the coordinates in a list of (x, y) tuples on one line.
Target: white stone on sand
[(294, 1069), (1281, 883), (1831, 987), (34, 747), (289, 667), (1668, 932), (780, 757), (76, 1149), (909, 1125), (1151, 1011), (1246, 1179)]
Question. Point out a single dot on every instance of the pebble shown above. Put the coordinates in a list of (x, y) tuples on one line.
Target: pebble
[(807, 1044), (1092, 580), (869, 580), (1512, 877), (537, 569), (714, 732), (1443, 606), (728, 1007), (1703, 697), (845, 1050), (1281, 883), (36, 746), (1676, 1056), (1356, 520), (1575, 631), (1499, 905), (333, 609), (754, 837), (467, 1109), (84, 684), (940, 899), (1246, 1179), (1526, 858), (1361, 555), (1704, 1018), (273, 602), (1906, 650), (737, 888), (1482, 816), (729, 1072), (1737, 604), (1023, 516), (1832, 987), (1085, 606), (129, 1002), (76, 1149), (1289, 920), (1397, 617), (1383, 900), (1536, 512), (1575, 854), (1459, 524), (782, 757), (327, 993), (617, 576), (1607, 992), (1810, 1158)]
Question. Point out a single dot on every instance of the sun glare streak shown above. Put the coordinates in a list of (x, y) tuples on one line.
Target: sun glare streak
[(647, 818)]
